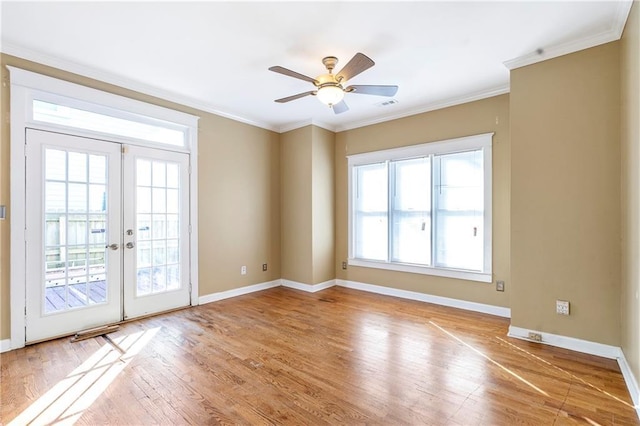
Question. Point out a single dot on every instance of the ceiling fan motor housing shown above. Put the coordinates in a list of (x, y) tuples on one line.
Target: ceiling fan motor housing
[(330, 62)]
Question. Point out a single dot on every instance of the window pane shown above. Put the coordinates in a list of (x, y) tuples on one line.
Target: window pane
[(97, 169), (53, 224), (173, 277), (144, 227), (97, 229), (159, 200), (173, 175), (370, 218), (77, 167), (411, 242), (173, 202), (81, 119), (55, 164), (143, 281), (144, 254), (77, 230), (143, 172), (77, 197), (159, 174), (144, 200), (55, 197), (97, 198), (459, 218)]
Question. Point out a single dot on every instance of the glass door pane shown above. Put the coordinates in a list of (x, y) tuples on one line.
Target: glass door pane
[(158, 224), (75, 216)]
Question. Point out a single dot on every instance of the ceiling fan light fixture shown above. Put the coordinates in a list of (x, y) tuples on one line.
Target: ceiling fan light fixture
[(330, 95)]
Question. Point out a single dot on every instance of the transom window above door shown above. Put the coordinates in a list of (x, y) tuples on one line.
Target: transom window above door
[(142, 128)]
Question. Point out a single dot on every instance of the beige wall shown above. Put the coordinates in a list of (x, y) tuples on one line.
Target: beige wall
[(296, 205), (239, 195), (630, 138), (307, 206), (565, 194), (322, 166), (239, 204), (488, 115)]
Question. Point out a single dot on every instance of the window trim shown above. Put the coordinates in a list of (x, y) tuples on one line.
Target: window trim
[(481, 141)]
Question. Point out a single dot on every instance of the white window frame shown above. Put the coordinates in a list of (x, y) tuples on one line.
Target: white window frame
[(27, 86), (449, 146)]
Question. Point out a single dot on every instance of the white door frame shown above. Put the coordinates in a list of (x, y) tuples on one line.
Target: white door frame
[(27, 85)]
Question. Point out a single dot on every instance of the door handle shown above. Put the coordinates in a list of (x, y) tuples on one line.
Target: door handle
[(130, 245), (113, 246)]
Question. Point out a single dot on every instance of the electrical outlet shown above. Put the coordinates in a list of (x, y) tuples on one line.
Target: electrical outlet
[(499, 285), (536, 337), (243, 270), (562, 307), (264, 267), (344, 265)]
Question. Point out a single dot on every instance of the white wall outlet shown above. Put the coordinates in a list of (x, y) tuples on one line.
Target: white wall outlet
[(243, 270), (536, 337), (562, 307)]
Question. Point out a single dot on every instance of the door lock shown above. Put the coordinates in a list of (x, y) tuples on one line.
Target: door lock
[(130, 245), (113, 246)]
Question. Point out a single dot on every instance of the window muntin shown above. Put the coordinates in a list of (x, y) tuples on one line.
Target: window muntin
[(438, 208), (53, 113)]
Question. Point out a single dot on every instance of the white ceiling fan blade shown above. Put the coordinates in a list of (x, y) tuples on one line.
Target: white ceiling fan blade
[(340, 107), (372, 90)]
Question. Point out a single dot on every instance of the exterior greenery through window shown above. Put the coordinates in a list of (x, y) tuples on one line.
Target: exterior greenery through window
[(423, 208)]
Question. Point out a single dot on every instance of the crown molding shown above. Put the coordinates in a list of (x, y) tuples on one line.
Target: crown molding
[(300, 124), (117, 80), (612, 34), (476, 96)]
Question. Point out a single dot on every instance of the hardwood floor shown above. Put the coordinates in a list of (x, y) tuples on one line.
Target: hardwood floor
[(338, 356)]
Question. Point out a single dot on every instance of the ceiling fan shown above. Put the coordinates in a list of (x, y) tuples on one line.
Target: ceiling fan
[(330, 88)]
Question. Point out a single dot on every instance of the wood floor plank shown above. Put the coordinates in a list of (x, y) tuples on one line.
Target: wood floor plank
[(339, 356)]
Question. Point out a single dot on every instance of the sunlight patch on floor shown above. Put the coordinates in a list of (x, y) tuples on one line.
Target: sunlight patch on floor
[(573, 376), (496, 363), (69, 398)]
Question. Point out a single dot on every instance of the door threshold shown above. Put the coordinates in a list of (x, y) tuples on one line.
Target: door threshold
[(114, 324)]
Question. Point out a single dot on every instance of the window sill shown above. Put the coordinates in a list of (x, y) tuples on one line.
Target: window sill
[(425, 270)]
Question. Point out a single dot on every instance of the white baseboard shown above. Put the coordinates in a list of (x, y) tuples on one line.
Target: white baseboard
[(422, 297), (630, 380), (214, 297), (578, 345), (5, 345), (311, 288)]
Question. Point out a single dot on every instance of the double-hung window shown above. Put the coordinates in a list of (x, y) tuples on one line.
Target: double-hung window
[(423, 208)]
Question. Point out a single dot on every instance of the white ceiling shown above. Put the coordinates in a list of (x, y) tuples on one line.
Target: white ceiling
[(215, 55)]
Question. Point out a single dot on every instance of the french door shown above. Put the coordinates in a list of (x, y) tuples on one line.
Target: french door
[(107, 233)]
